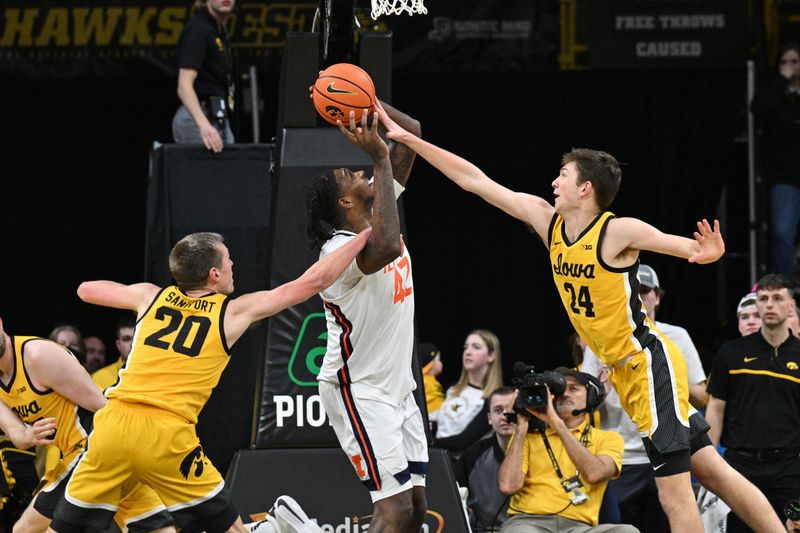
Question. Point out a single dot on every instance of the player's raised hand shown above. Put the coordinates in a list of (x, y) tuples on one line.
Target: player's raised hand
[(710, 243), (364, 136)]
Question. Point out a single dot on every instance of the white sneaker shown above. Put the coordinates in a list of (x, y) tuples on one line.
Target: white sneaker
[(291, 517)]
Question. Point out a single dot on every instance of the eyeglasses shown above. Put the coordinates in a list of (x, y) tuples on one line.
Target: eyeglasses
[(644, 289), (789, 61)]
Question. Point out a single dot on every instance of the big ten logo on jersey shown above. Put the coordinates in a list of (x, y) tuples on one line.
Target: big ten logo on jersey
[(434, 523), (401, 268)]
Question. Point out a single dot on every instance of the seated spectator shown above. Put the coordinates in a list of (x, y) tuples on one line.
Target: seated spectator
[(70, 336), (478, 466), (430, 359), (460, 419), (107, 376), (95, 353), (555, 485), (747, 315)]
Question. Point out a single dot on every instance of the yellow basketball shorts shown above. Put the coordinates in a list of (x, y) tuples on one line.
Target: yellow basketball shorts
[(140, 510), (134, 443), (653, 388)]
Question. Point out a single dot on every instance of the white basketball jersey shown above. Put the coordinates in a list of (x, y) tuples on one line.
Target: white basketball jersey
[(370, 322)]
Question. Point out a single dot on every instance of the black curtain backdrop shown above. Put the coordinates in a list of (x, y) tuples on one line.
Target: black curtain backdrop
[(75, 161)]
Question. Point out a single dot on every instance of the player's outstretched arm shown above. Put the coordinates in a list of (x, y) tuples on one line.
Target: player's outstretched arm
[(255, 306), (533, 210), (23, 436), (401, 156), (134, 297), (632, 233), (384, 245), (51, 366)]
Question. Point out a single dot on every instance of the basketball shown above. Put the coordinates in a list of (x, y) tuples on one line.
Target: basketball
[(342, 88)]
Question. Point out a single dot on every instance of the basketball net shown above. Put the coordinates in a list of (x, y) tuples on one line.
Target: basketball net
[(397, 7)]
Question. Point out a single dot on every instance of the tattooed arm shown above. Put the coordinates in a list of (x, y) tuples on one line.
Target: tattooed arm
[(401, 156)]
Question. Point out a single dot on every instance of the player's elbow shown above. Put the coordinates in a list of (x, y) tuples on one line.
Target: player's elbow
[(390, 250), (415, 127), (383, 251)]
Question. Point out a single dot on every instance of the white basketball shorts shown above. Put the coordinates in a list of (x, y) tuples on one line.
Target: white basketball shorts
[(384, 442)]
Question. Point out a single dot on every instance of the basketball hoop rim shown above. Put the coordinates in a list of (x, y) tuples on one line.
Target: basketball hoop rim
[(397, 7)]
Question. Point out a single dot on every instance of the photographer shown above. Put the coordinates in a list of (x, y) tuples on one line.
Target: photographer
[(557, 476)]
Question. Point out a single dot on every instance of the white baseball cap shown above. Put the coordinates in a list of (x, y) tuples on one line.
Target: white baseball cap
[(748, 300), (648, 276)]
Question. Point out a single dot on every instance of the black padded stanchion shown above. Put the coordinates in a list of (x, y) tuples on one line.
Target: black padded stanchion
[(324, 484), (191, 189)]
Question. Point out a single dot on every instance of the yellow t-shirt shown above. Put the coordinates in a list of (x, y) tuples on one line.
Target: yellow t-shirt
[(108, 375), (601, 301), (542, 492), (178, 354), (434, 393)]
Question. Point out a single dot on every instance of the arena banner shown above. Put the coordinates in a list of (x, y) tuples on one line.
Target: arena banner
[(116, 38), (134, 38), (666, 33)]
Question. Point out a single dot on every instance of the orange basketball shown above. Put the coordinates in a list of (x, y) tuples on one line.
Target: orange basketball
[(342, 88)]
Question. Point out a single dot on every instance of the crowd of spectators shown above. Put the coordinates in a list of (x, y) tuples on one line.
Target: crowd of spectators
[(531, 473)]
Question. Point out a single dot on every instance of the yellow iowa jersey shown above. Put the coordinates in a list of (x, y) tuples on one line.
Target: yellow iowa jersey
[(178, 354), (602, 302), (31, 404)]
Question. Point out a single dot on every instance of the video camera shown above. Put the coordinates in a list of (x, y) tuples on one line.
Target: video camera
[(533, 387)]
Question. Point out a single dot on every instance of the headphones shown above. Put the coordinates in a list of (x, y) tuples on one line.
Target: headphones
[(595, 393)]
